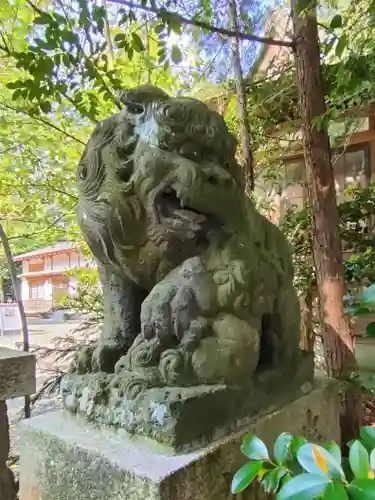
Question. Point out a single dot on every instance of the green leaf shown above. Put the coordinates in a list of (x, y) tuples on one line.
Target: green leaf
[(17, 93), (370, 329), (316, 460), (334, 449), (282, 447), (362, 489), (303, 487), (335, 491), (372, 459), (119, 37), (359, 460), (341, 46), (175, 24), (137, 43), (347, 469), (271, 480), (296, 444), (43, 19), (254, 448), (69, 36), (368, 294), (362, 311), (245, 476), (176, 54), (45, 106), (17, 84), (336, 22), (367, 435)]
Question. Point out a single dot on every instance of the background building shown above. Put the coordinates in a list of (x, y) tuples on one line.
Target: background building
[(46, 275)]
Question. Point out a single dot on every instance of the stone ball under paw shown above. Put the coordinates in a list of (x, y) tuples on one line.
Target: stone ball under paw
[(230, 355)]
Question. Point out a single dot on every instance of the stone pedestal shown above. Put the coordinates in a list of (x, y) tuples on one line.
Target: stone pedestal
[(63, 457), (17, 378)]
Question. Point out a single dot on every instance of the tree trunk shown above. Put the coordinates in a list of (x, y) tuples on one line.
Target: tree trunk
[(16, 290), (241, 101), (327, 251)]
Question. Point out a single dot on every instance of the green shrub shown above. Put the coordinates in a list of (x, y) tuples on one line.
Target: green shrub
[(362, 304), (298, 470)]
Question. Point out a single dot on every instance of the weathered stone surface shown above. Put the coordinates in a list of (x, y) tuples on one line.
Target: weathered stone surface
[(8, 488), (64, 458), (17, 373), (17, 378), (195, 293), (182, 418)]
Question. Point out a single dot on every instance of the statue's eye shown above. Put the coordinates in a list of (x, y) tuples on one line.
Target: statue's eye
[(135, 109), (83, 171)]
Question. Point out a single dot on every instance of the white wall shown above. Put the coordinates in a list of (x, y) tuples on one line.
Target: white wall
[(47, 290), (72, 286), (47, 263), (25, 289), (60, 262)]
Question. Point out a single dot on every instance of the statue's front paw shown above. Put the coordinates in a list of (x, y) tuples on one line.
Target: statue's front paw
[(168, 316), (82, 361), (105, 357)]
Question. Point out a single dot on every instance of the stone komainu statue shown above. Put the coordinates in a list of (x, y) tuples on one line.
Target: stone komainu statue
[(197, 284)]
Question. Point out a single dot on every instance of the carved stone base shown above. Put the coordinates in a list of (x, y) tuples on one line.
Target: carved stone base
[(8, 487), (64, 457), (182, 418)]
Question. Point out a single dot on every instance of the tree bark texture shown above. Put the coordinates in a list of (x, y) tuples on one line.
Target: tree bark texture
[(327, 250), (241, 100), (21, 308)]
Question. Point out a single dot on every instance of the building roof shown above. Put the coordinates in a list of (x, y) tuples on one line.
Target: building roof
[(44, 274), (60, 247)]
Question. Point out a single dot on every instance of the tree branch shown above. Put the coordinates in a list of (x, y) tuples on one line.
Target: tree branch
[(41, 120), (204, 25), (30, 235)]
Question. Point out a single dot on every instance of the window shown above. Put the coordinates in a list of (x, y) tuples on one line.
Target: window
[(351, 167), (37, 290), (36, 266), (294, 192)]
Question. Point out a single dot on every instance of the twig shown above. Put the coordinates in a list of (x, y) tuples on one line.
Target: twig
[(30, 235), (41, 120)]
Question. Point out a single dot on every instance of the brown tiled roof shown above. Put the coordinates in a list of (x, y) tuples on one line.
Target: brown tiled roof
[(60, 247)]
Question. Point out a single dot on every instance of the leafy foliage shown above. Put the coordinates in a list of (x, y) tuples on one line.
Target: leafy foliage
[(362, 304), (357, 216), (300, 470), (88, 298), (60, 68)]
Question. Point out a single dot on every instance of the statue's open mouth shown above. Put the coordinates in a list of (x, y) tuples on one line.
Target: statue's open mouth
[(175, 214)]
